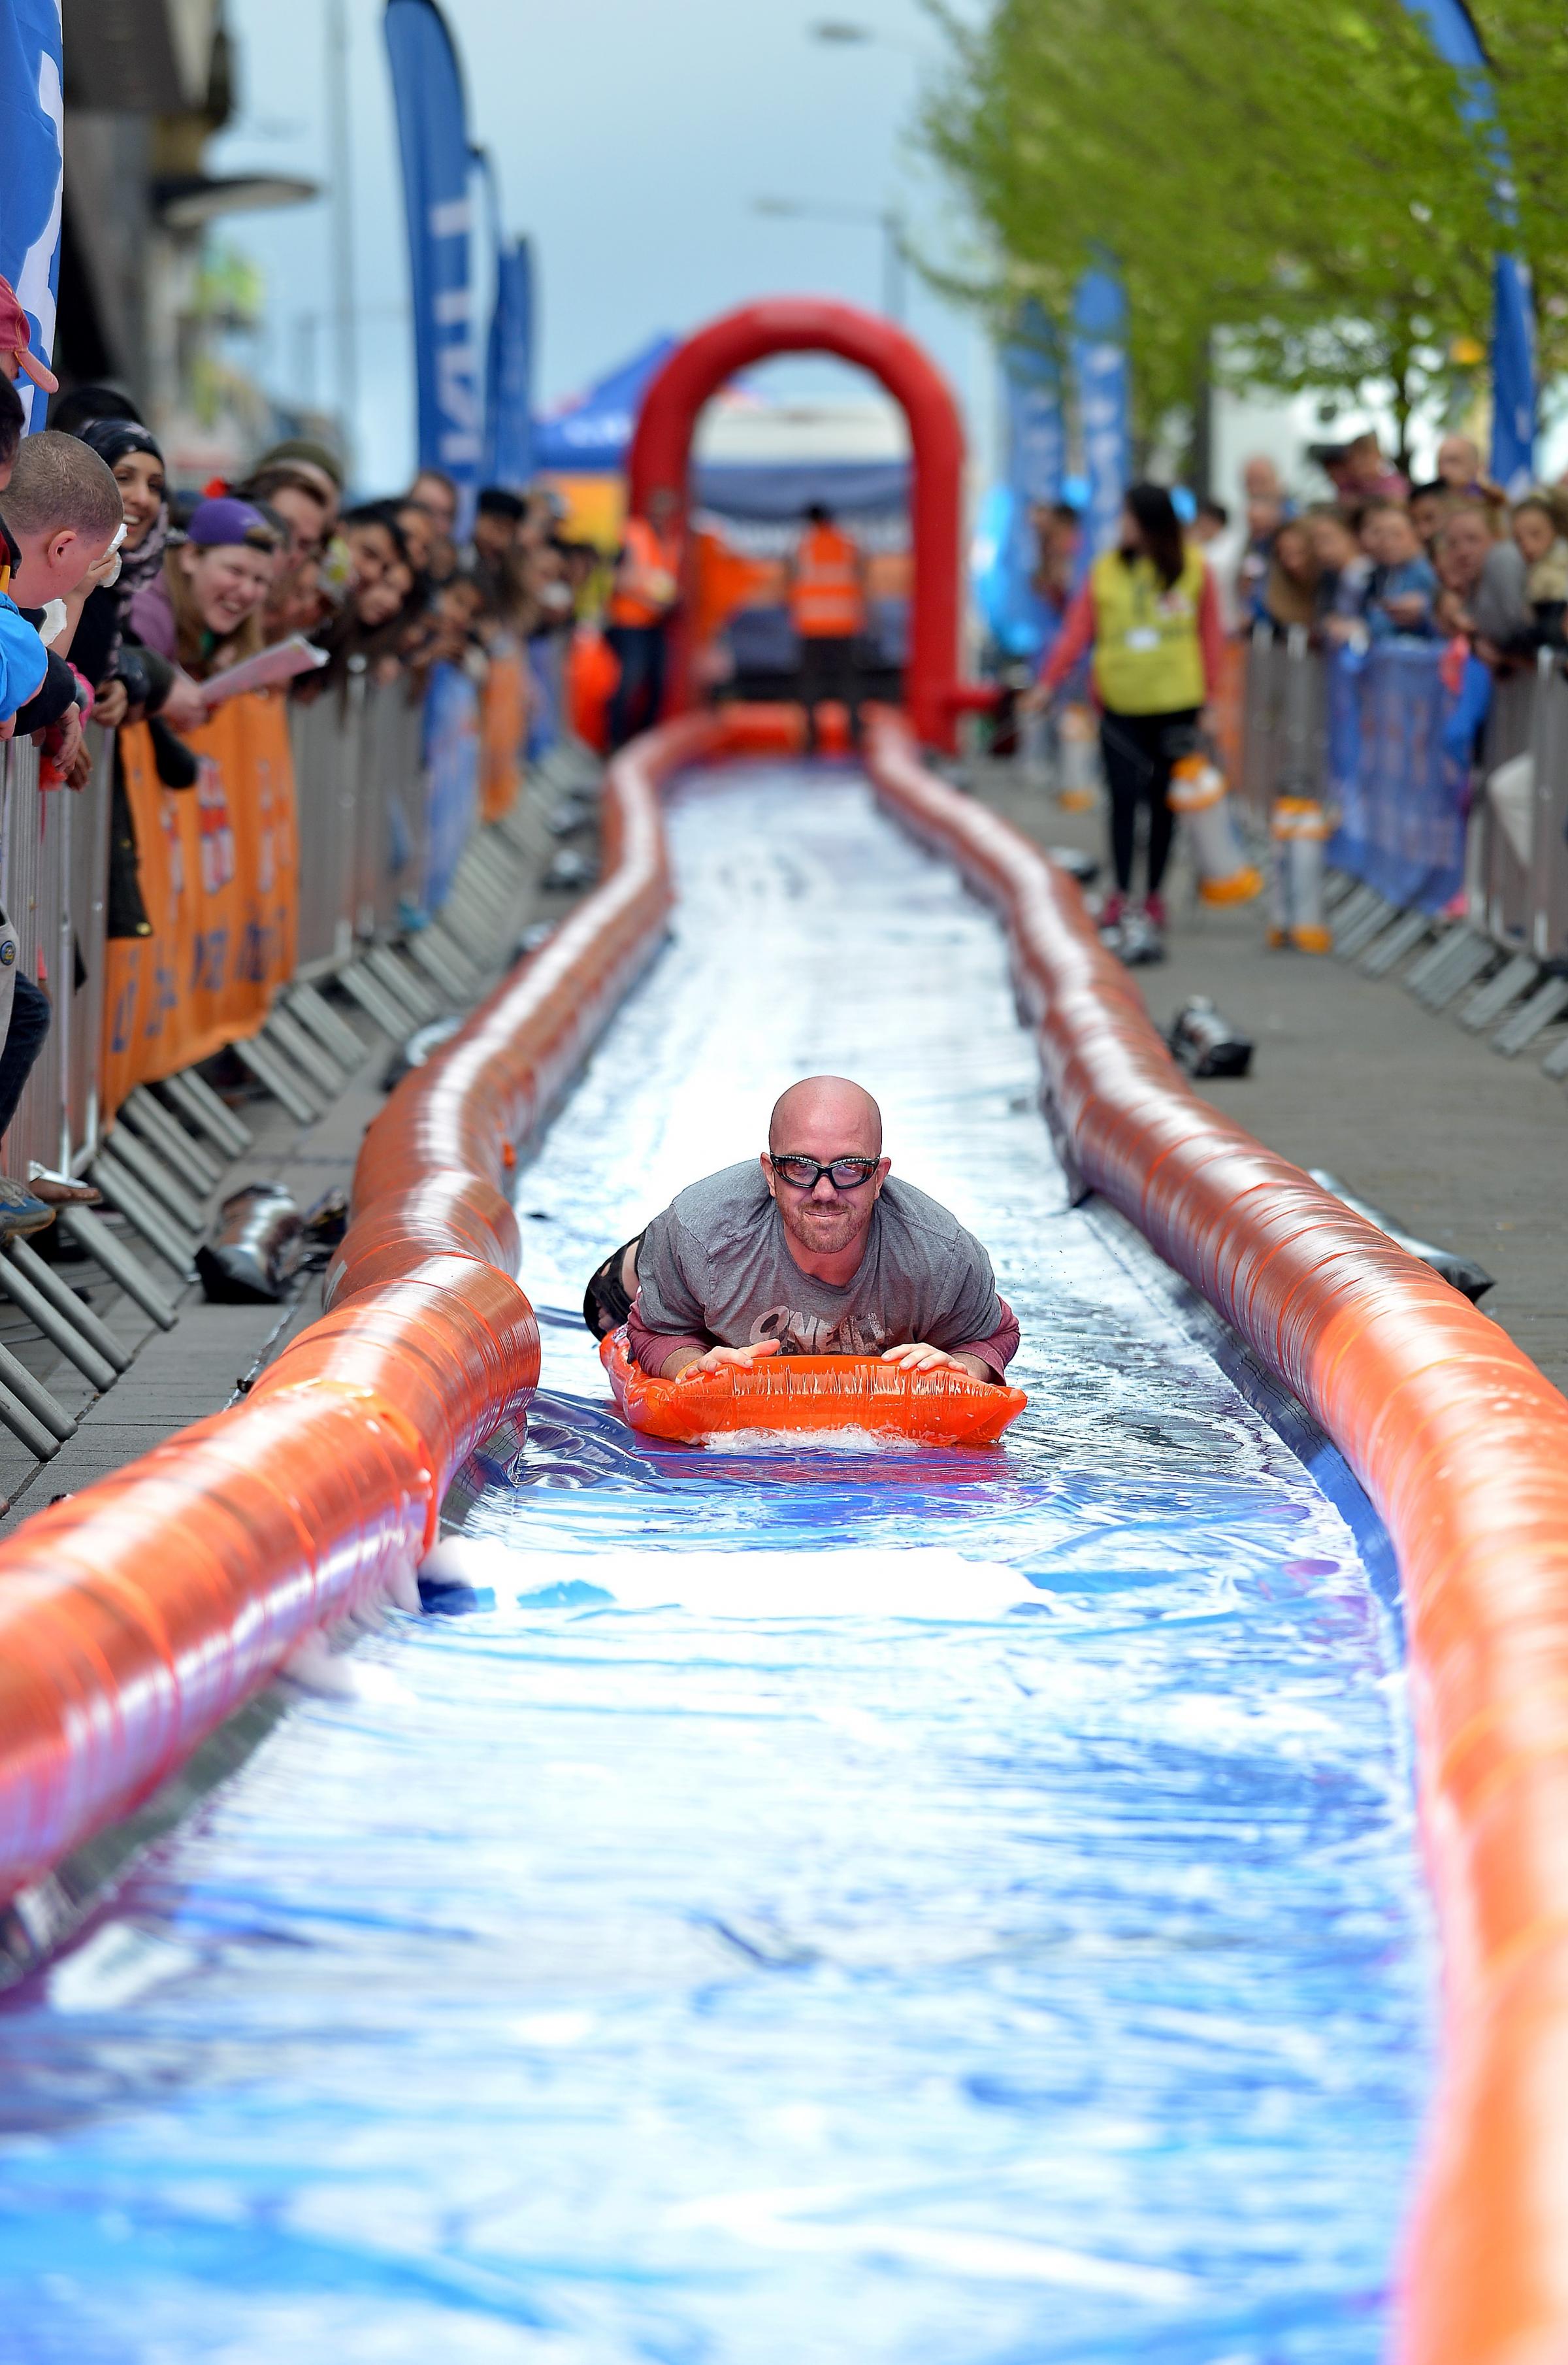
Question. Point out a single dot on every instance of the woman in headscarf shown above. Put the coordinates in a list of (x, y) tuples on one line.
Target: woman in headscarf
[(133, 683)]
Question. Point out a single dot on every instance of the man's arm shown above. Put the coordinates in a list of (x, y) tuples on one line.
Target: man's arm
[(983, 1359), (971, 1328), (49, 703), (666, 1329), (24, 669)]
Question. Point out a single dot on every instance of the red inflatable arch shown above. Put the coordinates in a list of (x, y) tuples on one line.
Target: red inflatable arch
[(796, 324)]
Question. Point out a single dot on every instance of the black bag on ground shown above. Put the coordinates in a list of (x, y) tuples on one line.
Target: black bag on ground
[(257, 1248), (1206, 1043)]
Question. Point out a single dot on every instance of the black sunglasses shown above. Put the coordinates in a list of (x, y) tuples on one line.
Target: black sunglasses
[(805, 1173)]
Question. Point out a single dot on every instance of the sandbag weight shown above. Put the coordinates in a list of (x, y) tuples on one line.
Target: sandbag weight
[(1299, 829), (1078, 736), (1199, 795)]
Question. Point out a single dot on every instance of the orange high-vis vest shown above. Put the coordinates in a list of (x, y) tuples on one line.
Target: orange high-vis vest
[(655, 571), (824, 596)]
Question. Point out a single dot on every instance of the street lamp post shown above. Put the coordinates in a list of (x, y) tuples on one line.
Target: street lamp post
[(887, 219)]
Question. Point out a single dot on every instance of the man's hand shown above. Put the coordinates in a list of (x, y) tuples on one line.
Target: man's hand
[(1034, 700), (916, 1355), (61, 744), (685, 1365), (112, 705)]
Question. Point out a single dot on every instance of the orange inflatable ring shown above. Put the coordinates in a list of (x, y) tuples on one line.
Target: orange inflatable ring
[(813, 1392)]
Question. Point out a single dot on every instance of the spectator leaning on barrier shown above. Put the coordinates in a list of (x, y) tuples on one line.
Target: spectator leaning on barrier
[(203, 609), (1429, 505), (1403, 586), (1539, 538), (1484, 585), (53, 707), (1290, 589), (499, 560), (312, 460), (133, 683), (386, 598), (435, 496), (1266, 511), (1343, 565), (294, 504), (61, 513)]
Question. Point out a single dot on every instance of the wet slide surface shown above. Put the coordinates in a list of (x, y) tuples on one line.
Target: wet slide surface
[(738, 1943)]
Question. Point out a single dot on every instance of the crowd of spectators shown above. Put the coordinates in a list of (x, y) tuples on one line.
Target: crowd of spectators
[(123, 597), (1450, 560)]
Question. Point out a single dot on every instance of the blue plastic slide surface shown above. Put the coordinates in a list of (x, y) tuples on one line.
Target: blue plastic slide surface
[(907, 1908)]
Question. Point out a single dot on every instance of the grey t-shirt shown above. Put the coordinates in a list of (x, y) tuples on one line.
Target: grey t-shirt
[(717, 1262)]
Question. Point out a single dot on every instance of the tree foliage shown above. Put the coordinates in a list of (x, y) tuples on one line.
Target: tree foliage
[(1303, 179)]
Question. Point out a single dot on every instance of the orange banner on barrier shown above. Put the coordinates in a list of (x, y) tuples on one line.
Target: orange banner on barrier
[(503, 729), (219, 879)]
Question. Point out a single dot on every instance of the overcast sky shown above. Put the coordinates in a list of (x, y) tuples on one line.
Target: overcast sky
[(631, 138)]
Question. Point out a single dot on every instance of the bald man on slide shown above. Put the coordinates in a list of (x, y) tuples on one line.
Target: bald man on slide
[(814, 1250)]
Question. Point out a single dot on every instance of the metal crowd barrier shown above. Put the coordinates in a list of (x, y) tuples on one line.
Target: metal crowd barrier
[(362, 804), (54, 859), (1452, 861), (1284, 722), (372, 801), (1517, 894), (387, 827)]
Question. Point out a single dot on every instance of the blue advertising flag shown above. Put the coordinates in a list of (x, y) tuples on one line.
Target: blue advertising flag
[(1031, 377), (508, 393), (32, 171), (433, 136), (1100, 370), (1514, 396), (1006, 551), (1513, 377)]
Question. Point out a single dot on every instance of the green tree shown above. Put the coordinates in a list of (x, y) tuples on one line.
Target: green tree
[(1297, 188)]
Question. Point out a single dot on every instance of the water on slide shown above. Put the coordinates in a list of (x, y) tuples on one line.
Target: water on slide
[(874, 1906)]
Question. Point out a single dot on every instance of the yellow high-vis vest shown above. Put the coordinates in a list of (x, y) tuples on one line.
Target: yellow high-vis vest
[(1147, 657)]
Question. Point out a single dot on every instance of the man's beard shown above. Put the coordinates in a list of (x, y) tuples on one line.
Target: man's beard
[(826, 1230)]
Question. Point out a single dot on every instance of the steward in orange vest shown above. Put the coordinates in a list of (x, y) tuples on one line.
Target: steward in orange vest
[(646, 589), (827, 608)]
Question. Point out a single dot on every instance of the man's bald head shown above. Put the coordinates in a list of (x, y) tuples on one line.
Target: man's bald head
[(825, 1110)]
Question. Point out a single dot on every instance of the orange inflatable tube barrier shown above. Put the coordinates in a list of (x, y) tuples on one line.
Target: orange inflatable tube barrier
[(138, 1615), (1462, 1446), (807, 1392)]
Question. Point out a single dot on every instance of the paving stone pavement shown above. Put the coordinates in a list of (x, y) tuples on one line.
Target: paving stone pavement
[(1350, 1072)]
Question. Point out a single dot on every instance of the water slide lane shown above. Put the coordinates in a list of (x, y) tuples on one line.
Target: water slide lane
[(749, 1939)]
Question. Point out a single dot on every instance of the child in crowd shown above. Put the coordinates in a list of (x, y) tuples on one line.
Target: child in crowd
[(1538, 535), (1403, 585), (1429, 505), (1290, 590), (1343, 568)]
